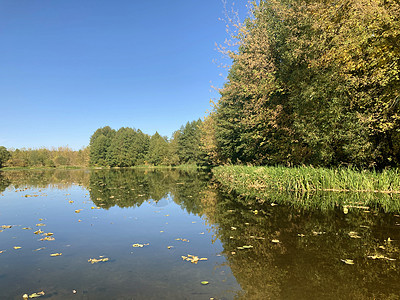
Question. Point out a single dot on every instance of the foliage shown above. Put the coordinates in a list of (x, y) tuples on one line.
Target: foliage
[(311, 83), (43, 157), (4, 155)]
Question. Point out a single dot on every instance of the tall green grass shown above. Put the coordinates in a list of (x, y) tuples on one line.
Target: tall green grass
[(314, 187)]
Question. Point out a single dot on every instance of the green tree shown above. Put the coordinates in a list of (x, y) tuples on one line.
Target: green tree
[(4, 155), (100, 143), (158, 150)]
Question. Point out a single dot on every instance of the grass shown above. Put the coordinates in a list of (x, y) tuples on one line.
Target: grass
[(314, 187)]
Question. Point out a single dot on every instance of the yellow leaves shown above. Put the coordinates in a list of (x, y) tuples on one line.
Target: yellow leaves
[(193, 259), (354, 235), (56, 254), (348, 261), (38, 231), (78, 211), (6, 226), (34, 295), (47, 238), (95, 207), (40, 224), (70, 201), (17, 247), (139, 245), (275, 241), (183, 240), (48, 234), (97, 260)]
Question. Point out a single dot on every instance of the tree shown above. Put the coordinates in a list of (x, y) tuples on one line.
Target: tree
[(4, 156)]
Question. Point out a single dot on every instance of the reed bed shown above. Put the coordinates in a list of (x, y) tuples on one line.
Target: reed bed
[(314, 187)]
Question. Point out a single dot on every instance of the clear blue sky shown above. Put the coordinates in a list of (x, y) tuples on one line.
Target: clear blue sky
[(70, 67)]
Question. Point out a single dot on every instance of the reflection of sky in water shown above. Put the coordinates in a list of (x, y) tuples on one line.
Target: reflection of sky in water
[(151, 272), (305, 264)]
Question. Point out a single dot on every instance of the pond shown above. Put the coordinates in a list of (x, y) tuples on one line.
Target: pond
[(173, 234)]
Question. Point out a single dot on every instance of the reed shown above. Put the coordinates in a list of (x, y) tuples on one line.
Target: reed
[(310, 186)]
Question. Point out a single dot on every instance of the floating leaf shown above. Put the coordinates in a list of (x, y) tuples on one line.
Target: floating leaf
[(139, 245), (169, 247), (36, 295), (275, 241), (193, 258), (354, 235), (48, 234), (6, 226), (183, 240), (233, 228), (70, 201), (204, 282), (17, 247), (47, 238), (2, 251), (38, 231), (95, 207), (78, 211), (248, 247), (27, 228), (40, 224), (38, 249), (348, 261), (101, 259), (273, 204), (55, 254), (300, 235)]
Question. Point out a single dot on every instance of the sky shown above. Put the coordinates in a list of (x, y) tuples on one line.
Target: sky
[(70, 67)]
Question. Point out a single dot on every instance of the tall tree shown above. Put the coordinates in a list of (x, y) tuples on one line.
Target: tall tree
[(4, 155)]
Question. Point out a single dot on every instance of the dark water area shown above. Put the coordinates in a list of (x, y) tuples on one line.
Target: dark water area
[(142, 222)]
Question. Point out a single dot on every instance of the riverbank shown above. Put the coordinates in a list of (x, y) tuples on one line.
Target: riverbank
[(314, 187)]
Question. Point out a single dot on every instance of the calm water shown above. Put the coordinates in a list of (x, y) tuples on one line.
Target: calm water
[(253, 250)]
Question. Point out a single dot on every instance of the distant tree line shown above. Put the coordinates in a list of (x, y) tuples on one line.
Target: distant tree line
[(43, 157), (127, 147), (313, 82)]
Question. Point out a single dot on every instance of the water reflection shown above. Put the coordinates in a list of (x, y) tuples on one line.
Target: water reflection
[(306, 259)]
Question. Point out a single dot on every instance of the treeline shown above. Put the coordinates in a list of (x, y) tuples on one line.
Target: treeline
[(313, 82), (43, 157), (127, 147)]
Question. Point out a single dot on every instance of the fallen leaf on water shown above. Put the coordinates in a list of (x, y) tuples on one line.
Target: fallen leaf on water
[(48, 234), (204, 282), (193, 258), (140, 245), (38, 249), (380, 256), (161, 231), (348, 261), (47, 238), (27, 228), (183, 240), (6, 226), (233, 228), (55, 254), (70, 201), (95, 260), (273, 204), (17, 247), (2, 251), (275, 241), (301, 235), (38, 231), (169, 247), (248, 247), (40, 224), (36, 295), (78, 211), (354, 235), (41, 219), (95, 207), (201, 232)]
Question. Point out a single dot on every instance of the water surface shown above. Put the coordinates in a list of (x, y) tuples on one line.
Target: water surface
[(254, 250)]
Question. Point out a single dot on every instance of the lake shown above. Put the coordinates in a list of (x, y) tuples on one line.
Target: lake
[(174, 234)]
